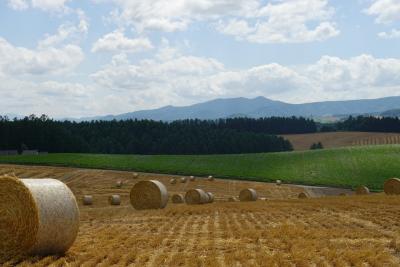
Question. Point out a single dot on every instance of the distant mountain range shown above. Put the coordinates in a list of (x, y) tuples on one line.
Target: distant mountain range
[(262, 107)]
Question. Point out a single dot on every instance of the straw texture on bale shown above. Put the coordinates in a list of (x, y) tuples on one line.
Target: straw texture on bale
[(278, 182), (210, 197), (119, 184), (172, 181), (392, 186), (210, 178), (115, 200), (150, 194), (362, 190), (38, 217), (183, 180), (196, 196), (177, 199), (303, 195), (248, 194), (192, 178), (87, 200)]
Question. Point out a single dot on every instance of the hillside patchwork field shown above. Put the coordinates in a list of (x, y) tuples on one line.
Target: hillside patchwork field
[(282, 231), (341, 139), (344, 167)]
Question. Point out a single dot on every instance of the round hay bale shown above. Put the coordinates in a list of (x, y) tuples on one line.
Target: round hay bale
[(362, 190), (177, 198), (303, 195), (135, 175), (38, 217), (263, 199), (210, 178), (119, 184), (114, 200), (232, 199), (150, 194), (248, 194), (196, 196), (278, 182), (192, 178), (210, 197), (87, 200), (183, 180), (392, 186), (172, 181)]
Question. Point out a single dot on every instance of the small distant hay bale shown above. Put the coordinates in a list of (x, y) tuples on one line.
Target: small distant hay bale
[(38, 217), (196, 196), (119, 184), (114, 200), (183, 180), (150, 194), (210, 197), (172, 181), (392, 186), (232, 199), (263, 199), (303, 195), (362, 190), (192, 178), (210, 178), (248, 194), (178, 199), (278, 182), (87, 200), (135, 175)]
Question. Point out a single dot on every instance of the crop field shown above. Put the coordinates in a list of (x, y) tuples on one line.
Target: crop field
[(342, 167), (342, 139), (281, 231)]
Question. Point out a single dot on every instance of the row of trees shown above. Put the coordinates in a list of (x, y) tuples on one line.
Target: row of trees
[(369, 124), (151, 137)]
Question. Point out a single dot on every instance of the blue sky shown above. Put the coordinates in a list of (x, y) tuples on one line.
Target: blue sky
[(82, 58)]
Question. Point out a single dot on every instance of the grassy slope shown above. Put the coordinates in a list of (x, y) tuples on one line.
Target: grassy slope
[(344, 167)]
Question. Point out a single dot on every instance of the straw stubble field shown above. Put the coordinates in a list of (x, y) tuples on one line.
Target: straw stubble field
[(282, 231)]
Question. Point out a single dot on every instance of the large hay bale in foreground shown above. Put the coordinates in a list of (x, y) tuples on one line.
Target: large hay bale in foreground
[(37, 217), (392, 186), (210, 197), (87, 200), (183, 180), (150, 194), (114, 200), (303, 195), (192, 178), (248, 194), (196, 196), (177, 198), (362, 190), (172, 181)]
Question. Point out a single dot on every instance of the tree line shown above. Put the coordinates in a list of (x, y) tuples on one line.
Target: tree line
[(369, 124), (240, 135)]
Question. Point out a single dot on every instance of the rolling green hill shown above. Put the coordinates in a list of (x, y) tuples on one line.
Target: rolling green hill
[(344, 167)]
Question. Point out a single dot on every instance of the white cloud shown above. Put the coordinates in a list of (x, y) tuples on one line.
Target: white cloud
[(45, 5), (18, 4), (393, 34), (386, 11), (19, 60), (117, 42), (285, 22)]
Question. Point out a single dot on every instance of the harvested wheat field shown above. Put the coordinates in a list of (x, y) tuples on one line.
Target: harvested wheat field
[(282, 231)]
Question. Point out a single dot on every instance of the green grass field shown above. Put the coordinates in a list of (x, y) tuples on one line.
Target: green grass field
[(344, 167)]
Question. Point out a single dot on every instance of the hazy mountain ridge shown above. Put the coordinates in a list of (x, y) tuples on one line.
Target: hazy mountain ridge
[(260, 107)]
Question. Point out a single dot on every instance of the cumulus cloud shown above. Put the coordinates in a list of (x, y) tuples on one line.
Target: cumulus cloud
[(386, 11), (19, 60), (117, 42), (393, 34)]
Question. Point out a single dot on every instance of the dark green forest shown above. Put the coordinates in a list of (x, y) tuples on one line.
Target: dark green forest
[(151, 137)]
